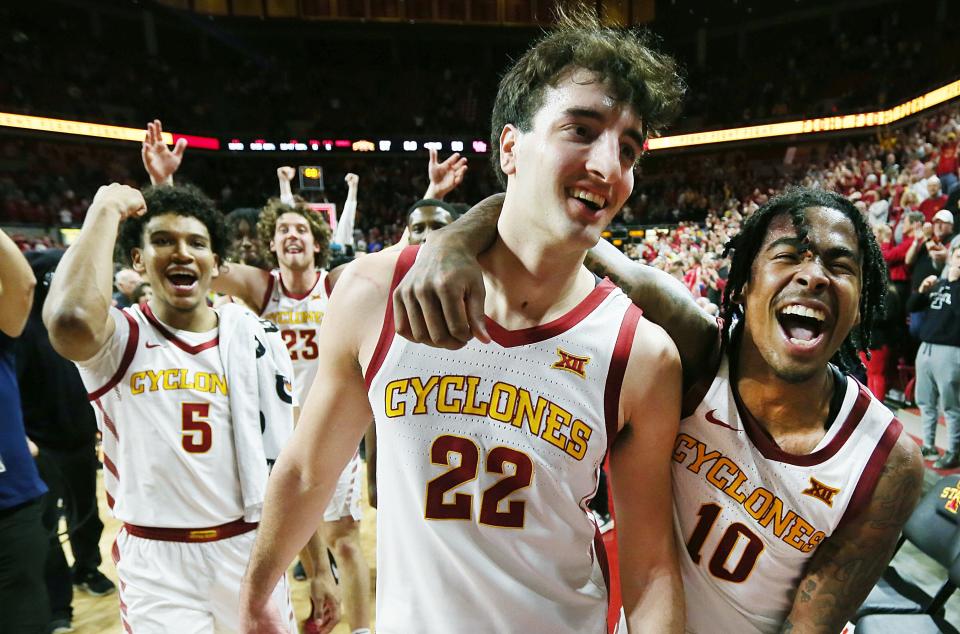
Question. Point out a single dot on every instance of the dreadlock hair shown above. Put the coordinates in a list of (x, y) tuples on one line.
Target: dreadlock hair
[(795, 201), (182, 200)]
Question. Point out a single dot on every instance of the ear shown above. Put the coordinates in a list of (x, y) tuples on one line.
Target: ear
[(136, 260), (508, 146), (216, 267), (273, 246), (738, 296)]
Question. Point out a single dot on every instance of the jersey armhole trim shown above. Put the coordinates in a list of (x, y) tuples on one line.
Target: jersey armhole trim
[(863, 493), (326, 284), (698, 391), (618, 367), (407, 257), (264, 302), (129, 350)]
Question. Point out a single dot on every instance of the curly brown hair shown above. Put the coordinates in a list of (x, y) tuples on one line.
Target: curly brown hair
[(623, 58), (267, 227)]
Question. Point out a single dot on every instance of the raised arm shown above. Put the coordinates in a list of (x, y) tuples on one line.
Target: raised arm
[(77, 309), (160, 161), (285, 174), (848, 564), (344, 231), (16, 287), (332, 421), (640, 477)]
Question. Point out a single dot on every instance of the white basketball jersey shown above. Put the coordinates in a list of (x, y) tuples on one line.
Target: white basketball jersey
[(161, 399), (487, 458), (298, 317), (751, 515)]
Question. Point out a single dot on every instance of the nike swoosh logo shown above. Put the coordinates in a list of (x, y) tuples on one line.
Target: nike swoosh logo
[(153, 345), (716, 421)]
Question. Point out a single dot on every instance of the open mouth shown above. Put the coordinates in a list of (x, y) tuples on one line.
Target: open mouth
[(594, 202), (293, 248), (802, 326), (182, 280)]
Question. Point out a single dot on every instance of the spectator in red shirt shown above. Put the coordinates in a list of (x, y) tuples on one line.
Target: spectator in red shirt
[(947, 166), (895, 254), (934, 202)]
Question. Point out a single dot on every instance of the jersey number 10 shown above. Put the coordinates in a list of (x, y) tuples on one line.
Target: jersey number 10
[(748, 559), (461, 508)]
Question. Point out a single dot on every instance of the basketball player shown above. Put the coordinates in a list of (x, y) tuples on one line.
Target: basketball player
[(791, 481), (489, 455), (184, 452), (294, 298)]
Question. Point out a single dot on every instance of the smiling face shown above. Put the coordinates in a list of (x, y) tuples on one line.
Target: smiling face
[(293, 242), (177, 259), (573, 171), (803, 298)]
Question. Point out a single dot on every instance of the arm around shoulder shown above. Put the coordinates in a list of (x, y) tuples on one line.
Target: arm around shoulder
[(666, 302), (243, 281), (848, 563)]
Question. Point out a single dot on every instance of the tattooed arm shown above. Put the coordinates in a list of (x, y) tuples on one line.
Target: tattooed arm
[(666, 302), (847, 565)]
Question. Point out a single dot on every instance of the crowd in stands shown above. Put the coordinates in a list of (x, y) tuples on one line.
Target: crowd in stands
[(315, 80)]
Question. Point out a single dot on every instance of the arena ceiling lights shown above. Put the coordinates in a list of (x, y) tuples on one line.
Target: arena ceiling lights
[(99, 130), (369, 146), (807, 126)]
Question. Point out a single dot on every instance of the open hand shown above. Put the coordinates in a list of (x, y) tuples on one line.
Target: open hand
[(159, 160), (445, 176)]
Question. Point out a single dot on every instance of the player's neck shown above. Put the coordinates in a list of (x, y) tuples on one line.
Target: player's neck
[(299, 282), (782, 407), (200, 319), (530, 282)]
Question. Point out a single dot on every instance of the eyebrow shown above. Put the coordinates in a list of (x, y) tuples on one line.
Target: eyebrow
[(595, 115), (167, 232), (832, 252)]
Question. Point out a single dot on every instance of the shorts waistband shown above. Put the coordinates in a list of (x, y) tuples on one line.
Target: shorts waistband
[(211, 534)]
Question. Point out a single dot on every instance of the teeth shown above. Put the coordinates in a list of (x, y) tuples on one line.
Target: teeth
[(583, 194), (804, 311)]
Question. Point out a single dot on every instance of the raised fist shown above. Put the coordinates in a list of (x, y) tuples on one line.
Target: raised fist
[(286, 173), (352, 180), (121, 198)]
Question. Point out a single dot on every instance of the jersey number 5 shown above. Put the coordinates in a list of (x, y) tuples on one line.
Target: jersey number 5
[(196, 434), (461, 508)]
